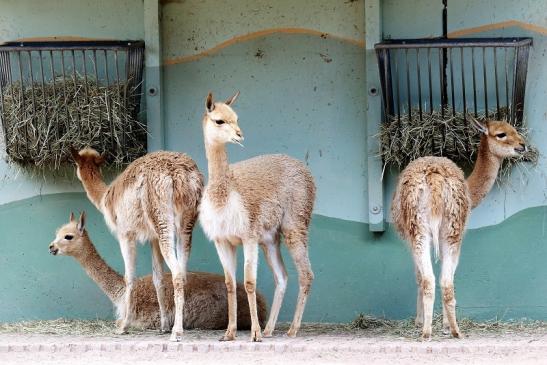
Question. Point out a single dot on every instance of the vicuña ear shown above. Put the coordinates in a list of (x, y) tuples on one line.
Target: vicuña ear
[(209, 105), (75, 154), (479, 126), (71, 218), (100, 160), (232, 100), (81, 222)]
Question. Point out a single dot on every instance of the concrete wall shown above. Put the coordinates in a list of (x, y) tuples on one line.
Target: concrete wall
[(300, 70)]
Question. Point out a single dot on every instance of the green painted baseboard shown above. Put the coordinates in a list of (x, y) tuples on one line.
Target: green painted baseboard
[(501, 274)]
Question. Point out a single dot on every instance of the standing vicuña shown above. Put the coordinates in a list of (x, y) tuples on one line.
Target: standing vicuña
[(205, 300), (154, 199), (250, 203), (430, 208)]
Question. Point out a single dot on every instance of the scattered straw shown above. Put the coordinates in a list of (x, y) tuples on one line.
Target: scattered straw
[(41, 123), (96, 327), (451, 136), (407, 328)]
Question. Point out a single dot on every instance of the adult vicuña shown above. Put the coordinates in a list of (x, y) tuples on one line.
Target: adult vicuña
[(255, 202), (205, 304), (155, 199), (431, 205)]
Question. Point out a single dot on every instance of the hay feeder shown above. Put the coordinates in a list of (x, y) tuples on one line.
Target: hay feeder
[(432, 88), (62, 94)]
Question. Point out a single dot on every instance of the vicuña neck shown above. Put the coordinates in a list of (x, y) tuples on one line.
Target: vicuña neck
[(219, 169), (94, 185), (484, 173), (110, 282)]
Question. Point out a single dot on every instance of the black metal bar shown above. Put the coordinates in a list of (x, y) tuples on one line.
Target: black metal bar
[(463, 85), (53, 80), (71, 45), (507, 105), (86, 86), (455, 42), (95, 67), (22, 99), (452, 84), (514, 93), (522, 68), (475, 107), (68, 116), (498, 115), (3, 120), (76, 90), (108, 102), (430, 80), (10, 73), (398, 88), (441, 80), (409, 98), (43, 87), (419, 83), (31, 84), (123, 141), (485, 81)]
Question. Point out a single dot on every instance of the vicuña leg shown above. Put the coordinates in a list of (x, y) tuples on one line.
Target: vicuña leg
[(297, 243), (419, 321), (157, 278), (250, 252), (421, 247), (127, 246), (451, 253), (272, 252), (228, 258), (178, 273)]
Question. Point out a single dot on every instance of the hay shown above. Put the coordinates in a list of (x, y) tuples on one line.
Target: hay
[(42, 123), (451, 136), (96, 327), (407, 328)]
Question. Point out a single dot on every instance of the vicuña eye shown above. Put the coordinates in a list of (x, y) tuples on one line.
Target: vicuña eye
[(501, 135), (219, 122), (68, 237)]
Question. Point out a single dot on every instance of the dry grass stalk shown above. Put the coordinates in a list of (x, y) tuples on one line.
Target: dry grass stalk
[(42, 123)]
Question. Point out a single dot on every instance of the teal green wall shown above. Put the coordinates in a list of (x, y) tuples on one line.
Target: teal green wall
[(502, 271), (301, 73)]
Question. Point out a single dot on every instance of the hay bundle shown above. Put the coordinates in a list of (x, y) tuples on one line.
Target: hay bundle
[(42, 122), (452, 136)]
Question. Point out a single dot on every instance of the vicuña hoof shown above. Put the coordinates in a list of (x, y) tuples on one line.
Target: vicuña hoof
[(121, 331), (267, 333), (230, 335), (176, 336), (426, 337), (457, 334), (256, 335), (292, 332)]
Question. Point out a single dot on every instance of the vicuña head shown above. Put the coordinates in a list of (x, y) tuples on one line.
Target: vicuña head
[(220, 122), (87, 160), (71, 239), (502, 139)]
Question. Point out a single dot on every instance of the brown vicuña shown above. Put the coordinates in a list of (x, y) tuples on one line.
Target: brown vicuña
[(205, 299), (430, 207), (155, 199), (255, 202)]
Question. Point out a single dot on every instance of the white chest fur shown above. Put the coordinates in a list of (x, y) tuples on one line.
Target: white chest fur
[(227, 222)]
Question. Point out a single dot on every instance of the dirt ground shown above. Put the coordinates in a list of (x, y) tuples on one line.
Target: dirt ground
[(316, 344)]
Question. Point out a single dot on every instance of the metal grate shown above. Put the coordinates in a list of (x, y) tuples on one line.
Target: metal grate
[(475, 76), (31, 72)]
